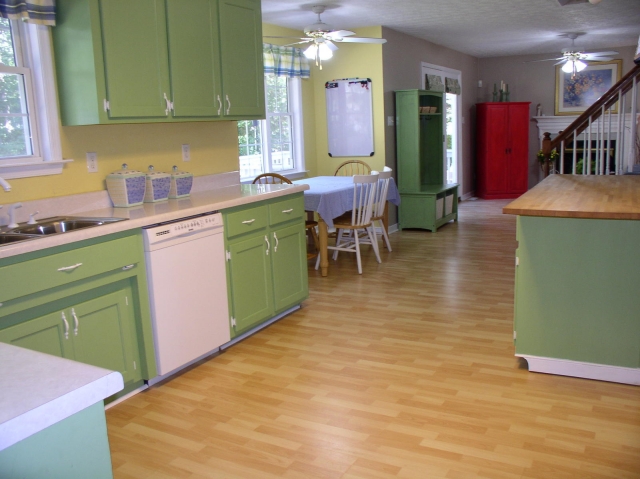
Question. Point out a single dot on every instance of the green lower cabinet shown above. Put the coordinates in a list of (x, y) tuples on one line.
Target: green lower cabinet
[(47, 334), (250, 287), (266, 260), (290, 276)]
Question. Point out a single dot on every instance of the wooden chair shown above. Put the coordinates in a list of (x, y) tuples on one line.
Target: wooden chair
[(358, 220), (384, 177), (353, 167), (271, 179), (310, 225)]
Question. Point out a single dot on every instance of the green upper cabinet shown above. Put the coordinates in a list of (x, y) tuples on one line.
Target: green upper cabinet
[(241, 54), (135, 58), (158, 60)]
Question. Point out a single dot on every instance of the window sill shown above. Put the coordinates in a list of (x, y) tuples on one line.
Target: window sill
[(10, 169)]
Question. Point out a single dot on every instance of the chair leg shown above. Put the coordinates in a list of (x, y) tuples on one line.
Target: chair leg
[(358, 252), (338, 241), (385, 235), (374, 242)]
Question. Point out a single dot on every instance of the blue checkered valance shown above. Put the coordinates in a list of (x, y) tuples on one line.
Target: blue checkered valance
[(32, 11), (284, 61)]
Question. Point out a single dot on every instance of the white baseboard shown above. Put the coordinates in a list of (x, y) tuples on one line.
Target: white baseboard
[(578, 369), (466, 196)]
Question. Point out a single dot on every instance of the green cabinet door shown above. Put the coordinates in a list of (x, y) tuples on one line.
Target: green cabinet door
[(134, 42), (50, 334), (241, 55), (102, 334), (289, 266), (194, 58), (250, 286)]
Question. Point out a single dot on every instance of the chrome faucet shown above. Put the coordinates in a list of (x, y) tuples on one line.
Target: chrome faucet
[(12, 214), (5, 186)]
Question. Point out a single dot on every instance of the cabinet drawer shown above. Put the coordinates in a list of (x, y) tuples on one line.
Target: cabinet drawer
[(286, 210), (245, 221), (39, 274)]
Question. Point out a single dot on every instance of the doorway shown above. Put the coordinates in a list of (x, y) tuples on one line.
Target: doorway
[(451, 124)]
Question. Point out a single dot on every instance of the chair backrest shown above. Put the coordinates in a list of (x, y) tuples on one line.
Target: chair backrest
[(353, 167), (364, 195), (271, 179), (384, 177)]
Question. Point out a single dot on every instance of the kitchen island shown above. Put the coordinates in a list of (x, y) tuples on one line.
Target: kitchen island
[(578, 277), (52, 421)]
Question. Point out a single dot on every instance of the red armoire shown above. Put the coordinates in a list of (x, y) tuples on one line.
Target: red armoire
[(502, 149)]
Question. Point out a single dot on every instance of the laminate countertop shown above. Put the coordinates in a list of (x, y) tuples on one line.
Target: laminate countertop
[(578, 196)]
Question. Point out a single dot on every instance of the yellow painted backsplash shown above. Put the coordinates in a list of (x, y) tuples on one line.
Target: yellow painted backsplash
[(214, 149)]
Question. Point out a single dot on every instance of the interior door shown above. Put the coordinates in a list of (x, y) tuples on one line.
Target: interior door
[(518, 148), (496, 170)]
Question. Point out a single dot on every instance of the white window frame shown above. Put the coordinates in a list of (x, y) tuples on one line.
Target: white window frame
[(33, 48), (297, 133)]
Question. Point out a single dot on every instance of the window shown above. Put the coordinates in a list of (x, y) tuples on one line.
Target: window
[(29, 136), (274, 145)]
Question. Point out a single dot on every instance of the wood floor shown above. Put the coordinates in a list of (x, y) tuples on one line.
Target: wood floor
[(407, 371)]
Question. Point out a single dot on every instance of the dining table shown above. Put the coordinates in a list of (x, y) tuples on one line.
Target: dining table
[(330, 197)]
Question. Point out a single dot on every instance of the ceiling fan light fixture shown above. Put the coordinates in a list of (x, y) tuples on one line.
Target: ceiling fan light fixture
[(324, 52), (311, 51), (568, 67), (580, 65)]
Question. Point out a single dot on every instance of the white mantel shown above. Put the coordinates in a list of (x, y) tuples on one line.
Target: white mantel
[(556, 124)]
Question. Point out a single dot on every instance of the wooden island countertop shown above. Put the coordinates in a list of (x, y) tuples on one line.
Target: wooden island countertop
[(577, 196)]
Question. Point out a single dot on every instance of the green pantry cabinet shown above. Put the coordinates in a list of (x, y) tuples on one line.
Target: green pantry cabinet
[(85, 301), (266, 260), (427, 201), (119, 61)]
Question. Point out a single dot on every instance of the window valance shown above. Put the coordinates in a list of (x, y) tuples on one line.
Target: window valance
[(285, 61), (33, 11), (452, 86), (433, 83)]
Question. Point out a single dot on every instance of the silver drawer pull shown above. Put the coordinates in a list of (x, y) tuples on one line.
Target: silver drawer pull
[(70, 268), (128, 267), (248, 222), (288, 211)]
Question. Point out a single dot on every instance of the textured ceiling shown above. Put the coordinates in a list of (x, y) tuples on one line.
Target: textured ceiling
[(482, 28)]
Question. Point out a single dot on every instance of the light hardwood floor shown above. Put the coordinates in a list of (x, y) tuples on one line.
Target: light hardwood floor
[(406, 371)]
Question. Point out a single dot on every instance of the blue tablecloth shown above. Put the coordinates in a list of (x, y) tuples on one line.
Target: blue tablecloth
[(332, 196)]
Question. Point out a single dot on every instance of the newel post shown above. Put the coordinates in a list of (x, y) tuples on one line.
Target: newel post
[(546, 151)]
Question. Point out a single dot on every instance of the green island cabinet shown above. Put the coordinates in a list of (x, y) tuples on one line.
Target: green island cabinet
[(427, 201), (146, 61), (266, 260), (85, 301)]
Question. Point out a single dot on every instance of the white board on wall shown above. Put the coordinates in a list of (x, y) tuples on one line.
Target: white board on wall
[(349, 117)]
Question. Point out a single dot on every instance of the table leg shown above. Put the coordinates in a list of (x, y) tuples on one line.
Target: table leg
[(324, 257)]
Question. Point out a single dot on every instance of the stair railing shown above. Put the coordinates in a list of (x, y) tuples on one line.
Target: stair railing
[(599, 117)]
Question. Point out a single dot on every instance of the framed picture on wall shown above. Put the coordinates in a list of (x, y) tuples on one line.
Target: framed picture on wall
[(575, 95)]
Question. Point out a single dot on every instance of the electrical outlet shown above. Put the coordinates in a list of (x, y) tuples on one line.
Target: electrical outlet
[(390, 121), (92, 162), (186, 153)]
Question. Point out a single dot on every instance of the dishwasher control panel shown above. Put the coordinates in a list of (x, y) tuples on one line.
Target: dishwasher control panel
[(182, 227)]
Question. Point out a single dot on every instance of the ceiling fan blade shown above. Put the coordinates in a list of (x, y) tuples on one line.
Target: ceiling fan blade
[(331, 45), (293, 38), (560, 62), (546, 60), (340, 34), (296, 43), (599, 59), (606, 54), (362, 40)]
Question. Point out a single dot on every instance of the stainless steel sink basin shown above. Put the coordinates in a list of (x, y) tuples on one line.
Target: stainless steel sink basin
[(62, 224), (8, 238)]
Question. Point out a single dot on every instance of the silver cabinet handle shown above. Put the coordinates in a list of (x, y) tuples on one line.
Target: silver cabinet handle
[(275, 248), (219, 105), (70, 268), (169, 105), (268, 245), (76, 323), (128, 267), (66, 325), (288, 211), (228, 104), (248, 222)]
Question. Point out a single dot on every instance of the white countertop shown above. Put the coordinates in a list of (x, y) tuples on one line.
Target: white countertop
[(151, 213), (38, 390)]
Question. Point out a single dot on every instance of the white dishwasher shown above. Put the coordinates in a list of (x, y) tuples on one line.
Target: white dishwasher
[(187, 289)]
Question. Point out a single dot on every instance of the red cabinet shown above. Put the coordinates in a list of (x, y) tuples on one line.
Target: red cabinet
[(502, 149)]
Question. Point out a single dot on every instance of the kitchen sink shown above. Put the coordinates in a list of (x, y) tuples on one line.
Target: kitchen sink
[(61, 224), (8, 238)]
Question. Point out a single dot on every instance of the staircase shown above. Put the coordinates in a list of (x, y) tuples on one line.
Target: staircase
[(586, 146)]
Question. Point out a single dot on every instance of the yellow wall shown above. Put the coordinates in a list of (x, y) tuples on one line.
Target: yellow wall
[(351, 60), (214, 149)]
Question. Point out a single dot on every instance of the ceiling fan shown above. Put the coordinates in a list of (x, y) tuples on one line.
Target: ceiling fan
[(574, 60), (322, 37)]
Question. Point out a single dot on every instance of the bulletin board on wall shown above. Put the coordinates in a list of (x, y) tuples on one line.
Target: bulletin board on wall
[(349, 117)]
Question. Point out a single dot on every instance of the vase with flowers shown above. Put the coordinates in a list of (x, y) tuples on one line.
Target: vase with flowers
[(547, 164)]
